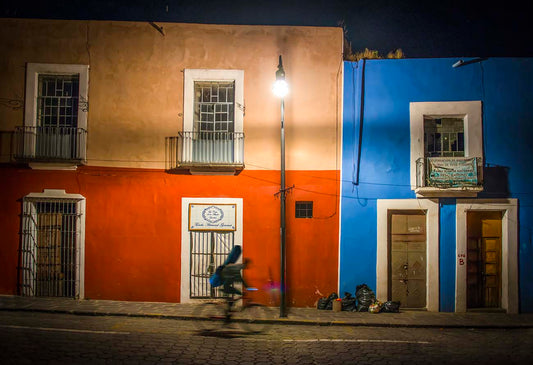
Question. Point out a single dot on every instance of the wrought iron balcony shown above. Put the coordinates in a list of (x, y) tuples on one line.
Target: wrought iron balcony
[(462, 174), (205, 152), (50, 144)]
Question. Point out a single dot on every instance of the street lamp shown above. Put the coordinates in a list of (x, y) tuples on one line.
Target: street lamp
[(281, 89)]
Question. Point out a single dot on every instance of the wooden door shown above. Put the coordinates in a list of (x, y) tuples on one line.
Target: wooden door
[(48, 272), (407, 259), (484, 230)]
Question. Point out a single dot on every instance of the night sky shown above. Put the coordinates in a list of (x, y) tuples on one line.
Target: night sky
[(427, 28)]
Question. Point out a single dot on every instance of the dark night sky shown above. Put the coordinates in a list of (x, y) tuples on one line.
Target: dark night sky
[(445, 28)]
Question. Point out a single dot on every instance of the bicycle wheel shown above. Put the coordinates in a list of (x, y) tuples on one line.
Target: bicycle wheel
[(210, 316), (254, 318)]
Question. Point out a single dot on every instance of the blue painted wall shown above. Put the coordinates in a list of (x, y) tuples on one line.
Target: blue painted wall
[(379, 166), (447, 255)]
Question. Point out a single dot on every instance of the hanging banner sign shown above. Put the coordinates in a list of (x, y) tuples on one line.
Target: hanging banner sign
[(212, 217), (454, 172)]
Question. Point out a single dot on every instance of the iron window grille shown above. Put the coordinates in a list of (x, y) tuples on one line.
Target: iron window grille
[(55, 115), (209, 250), (304, 209), (50, 252), (57, 100), (214, 106), (444, 137)]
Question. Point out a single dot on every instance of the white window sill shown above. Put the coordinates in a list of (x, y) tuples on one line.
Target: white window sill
[(463, 192), (52, 166)]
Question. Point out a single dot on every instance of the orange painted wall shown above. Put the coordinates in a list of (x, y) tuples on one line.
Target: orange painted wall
[(133, 228)]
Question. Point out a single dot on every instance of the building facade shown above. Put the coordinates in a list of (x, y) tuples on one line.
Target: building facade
[(436, 206), (135, 155)]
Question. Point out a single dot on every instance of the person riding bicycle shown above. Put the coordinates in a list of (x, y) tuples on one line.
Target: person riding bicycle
[(221, 309), (229, 273)]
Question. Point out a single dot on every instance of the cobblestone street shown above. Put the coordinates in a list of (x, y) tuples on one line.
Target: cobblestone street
[(61, 338)]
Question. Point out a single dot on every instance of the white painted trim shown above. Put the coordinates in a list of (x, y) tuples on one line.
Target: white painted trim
[(80, 236), (431, 208), (509, 279), (469, 110), (52, 166), (33, 70), (54, 194), (341, 154), (185, 248), (81, 247), (192, 75)]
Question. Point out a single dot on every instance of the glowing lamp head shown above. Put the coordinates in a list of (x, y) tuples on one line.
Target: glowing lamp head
[(280, 88)]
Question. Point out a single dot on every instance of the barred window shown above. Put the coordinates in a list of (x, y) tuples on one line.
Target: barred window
[(444, 137), (51, 247), (57, 100), (55, 114), (304, 209), (214, 108)]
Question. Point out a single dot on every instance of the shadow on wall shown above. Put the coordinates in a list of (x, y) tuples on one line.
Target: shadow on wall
[(7, 140), (495, 182)]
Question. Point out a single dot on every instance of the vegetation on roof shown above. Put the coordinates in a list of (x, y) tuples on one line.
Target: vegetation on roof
[(367, 54)]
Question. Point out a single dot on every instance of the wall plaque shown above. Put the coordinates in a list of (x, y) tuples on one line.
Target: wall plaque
[(212, 217)]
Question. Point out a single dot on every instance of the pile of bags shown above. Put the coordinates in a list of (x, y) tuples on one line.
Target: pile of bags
[(364, 301)]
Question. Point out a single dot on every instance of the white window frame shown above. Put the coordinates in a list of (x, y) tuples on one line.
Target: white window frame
[(469, 111), (509, 252), (29, 206), (33, 70), (431, 208), (192, 75)]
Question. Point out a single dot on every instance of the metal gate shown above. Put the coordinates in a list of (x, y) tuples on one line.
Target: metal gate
[(49, 254), (209, 250)]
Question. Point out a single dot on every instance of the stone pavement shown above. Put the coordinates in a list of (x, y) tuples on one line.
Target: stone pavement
[(303, 316)]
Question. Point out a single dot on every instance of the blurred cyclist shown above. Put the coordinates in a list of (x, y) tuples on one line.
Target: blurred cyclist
[(231, 274)]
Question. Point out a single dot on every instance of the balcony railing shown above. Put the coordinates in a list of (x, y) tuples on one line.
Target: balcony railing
[(50, 144), (205, 151), (449, 172)]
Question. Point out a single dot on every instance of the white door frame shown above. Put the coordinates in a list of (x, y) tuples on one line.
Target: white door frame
[(185, 238), (509, 259), (431, 208)]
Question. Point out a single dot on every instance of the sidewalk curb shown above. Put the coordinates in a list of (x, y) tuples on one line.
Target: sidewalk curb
[(280, 321)]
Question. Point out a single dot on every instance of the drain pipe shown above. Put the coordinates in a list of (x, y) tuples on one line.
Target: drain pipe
[(355, 180)]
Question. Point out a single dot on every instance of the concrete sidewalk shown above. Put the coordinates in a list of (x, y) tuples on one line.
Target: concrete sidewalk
[(303, 316)]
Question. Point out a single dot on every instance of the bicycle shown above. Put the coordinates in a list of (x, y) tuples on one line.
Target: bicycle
[(250, 316)]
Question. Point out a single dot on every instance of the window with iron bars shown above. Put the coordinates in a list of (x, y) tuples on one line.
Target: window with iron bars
[(214, 106), (444, 137), (57, 100), (209, 250), (55, 114), (50, 248), (304, 209)]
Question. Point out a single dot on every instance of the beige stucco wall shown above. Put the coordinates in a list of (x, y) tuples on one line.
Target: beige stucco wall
[(136, 84)]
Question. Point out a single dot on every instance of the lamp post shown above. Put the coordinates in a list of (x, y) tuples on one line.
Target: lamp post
[(281, 89)]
